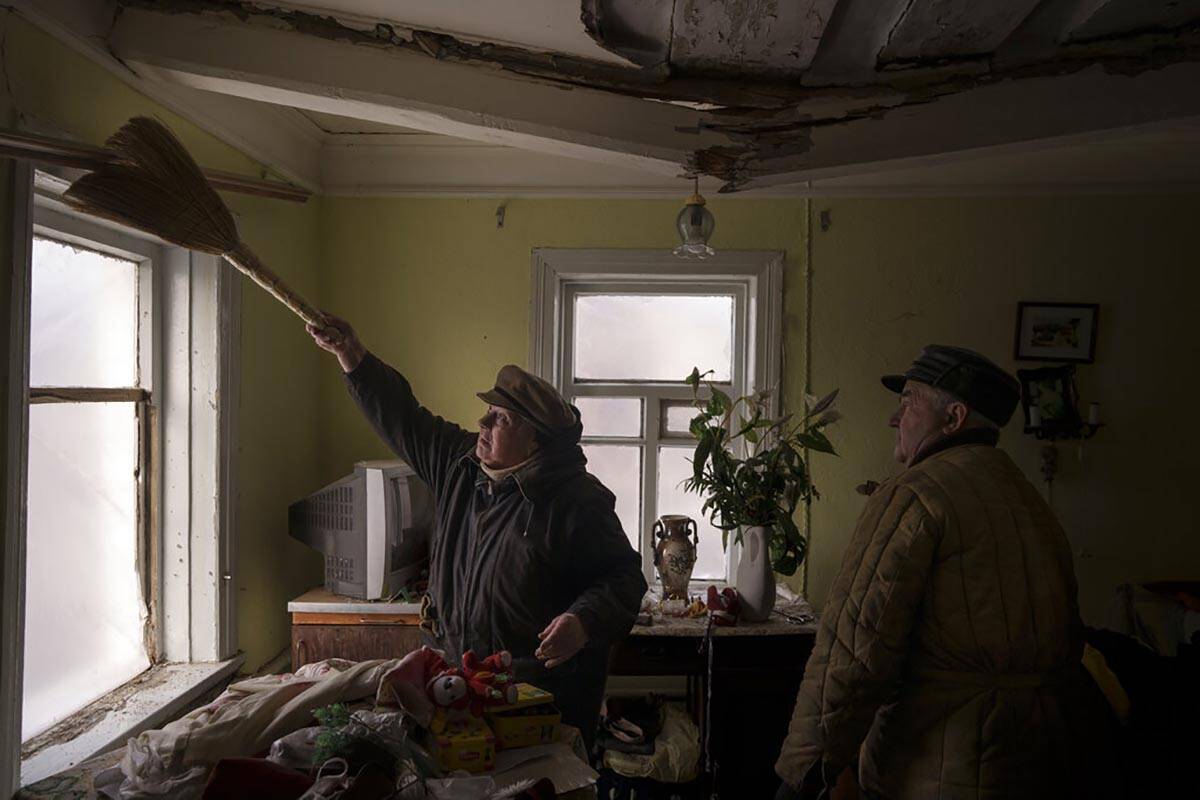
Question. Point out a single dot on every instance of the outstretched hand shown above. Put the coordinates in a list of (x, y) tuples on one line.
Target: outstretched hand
[(561, 640), (338, 337)]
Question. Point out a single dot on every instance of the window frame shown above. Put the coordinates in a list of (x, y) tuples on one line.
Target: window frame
[(76, 231), (753, 277), (190, 368)]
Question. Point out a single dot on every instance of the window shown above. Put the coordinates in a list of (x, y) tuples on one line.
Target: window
[(87, 542), (124, 380), (617, 332)]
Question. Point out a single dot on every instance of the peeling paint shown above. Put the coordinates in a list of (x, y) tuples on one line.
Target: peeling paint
[(763, 116), (92, 715)]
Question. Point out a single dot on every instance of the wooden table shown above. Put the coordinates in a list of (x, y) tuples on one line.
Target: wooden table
[(755, 675), (756, 670)]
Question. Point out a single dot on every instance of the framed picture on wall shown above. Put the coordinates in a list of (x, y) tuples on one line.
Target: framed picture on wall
[(1056, 332), (1049, 398)]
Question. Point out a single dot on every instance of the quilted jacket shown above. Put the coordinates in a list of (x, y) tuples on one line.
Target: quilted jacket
[(949, 647)]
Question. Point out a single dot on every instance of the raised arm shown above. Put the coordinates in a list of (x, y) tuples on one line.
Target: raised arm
[(428, 443)]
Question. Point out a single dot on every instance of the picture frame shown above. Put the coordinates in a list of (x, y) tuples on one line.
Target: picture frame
[(1052, 391), (1056, 332)]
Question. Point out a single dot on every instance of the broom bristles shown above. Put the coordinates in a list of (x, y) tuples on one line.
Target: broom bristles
[(155, 186), (158, 188)]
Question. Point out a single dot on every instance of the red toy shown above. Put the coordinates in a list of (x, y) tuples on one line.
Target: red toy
[(470, 688), (489, 682), (723, 607)]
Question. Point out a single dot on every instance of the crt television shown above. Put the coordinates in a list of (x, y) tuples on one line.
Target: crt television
[(373, 527)]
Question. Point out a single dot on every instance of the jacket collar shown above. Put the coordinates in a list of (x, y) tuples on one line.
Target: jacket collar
[(984, 436), (542, 475)]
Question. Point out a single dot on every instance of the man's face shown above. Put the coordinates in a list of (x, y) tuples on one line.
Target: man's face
[(505, 439), (918, 422)]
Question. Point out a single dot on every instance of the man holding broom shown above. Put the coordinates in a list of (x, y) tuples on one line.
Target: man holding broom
[(527, 554)]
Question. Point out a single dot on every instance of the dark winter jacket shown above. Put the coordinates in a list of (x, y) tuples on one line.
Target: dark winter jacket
[(507, 558)]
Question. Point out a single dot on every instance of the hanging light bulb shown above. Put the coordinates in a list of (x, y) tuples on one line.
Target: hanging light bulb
[(695, 224)]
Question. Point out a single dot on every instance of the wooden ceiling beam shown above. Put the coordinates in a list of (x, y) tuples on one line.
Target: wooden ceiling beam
[(941, 29)]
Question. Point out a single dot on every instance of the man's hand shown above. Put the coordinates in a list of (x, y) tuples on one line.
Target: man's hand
[(339, 338), (562, 639)]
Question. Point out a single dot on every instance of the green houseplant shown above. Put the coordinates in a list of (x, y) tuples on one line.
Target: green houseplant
[(752, 470)]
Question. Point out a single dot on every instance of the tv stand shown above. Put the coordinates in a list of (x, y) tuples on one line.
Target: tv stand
[(326, 625)]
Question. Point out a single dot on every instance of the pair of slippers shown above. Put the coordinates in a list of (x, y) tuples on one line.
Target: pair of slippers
[(620, 728)]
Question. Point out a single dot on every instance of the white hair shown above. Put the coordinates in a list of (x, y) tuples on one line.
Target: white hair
[(942, 400)]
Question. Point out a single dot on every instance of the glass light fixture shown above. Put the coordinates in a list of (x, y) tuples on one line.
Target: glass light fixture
[(695, 224)]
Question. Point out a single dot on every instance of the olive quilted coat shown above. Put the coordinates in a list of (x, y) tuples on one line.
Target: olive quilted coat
[(949, 648)]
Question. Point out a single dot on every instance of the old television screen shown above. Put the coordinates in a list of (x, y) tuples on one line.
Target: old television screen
[(373, 526)]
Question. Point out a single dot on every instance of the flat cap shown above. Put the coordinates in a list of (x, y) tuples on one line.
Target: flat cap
[(531, 397), (967, 375)]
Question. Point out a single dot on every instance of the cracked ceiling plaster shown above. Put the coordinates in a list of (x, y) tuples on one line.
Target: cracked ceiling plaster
[(766, 73)]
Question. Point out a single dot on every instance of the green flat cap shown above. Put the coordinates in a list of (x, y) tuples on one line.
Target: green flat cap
[(531, 397), (967, 375)]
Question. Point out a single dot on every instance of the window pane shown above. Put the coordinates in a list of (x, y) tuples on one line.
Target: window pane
[(83, 606), (83, 318), (652, 337), (677, 417), (674, 467), (619, 467), (610, 416)]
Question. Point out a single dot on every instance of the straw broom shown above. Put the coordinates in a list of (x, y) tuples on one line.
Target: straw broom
[(157, 187)]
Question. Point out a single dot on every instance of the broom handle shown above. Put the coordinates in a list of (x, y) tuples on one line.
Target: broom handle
[(247, 262)]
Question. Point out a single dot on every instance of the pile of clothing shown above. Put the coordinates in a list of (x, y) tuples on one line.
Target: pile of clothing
[(334, 729)]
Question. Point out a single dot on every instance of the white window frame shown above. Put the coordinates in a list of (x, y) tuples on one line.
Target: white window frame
[(753, 277), (190, 305)]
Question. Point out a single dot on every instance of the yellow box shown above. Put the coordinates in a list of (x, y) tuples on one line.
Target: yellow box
[(465, 744), (532, 719)]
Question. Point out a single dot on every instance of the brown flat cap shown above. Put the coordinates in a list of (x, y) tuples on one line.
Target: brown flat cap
[(531, 397)]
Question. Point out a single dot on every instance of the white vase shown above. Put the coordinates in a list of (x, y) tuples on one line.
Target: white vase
[(755, 578)]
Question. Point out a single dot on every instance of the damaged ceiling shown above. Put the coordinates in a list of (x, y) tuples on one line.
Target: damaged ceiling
[(751, 92)]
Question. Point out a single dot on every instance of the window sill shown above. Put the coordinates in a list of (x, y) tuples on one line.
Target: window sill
[(149, 701)]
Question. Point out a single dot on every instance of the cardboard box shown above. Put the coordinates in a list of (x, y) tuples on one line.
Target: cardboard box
[(533, 719), (465, 744)]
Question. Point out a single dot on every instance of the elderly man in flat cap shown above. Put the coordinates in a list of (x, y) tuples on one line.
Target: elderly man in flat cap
[(947, 663), (528, 555)]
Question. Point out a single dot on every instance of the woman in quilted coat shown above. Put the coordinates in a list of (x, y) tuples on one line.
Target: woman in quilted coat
[(947, 664)]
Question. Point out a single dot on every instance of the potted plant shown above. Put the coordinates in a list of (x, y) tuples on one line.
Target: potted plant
[(753, 473)]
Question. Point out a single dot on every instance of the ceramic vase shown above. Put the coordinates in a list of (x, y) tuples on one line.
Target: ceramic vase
[(675, 553), (755, 578)]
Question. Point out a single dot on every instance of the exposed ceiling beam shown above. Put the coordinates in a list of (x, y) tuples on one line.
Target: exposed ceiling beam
[(777, 134), (1009, 117), (856, 33), (932, 29), (752, 38), (270, 63), (1119, 16)]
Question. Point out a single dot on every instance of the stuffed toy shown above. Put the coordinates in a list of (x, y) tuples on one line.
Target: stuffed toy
[(421, 683), (489, 681), (427, 687)]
